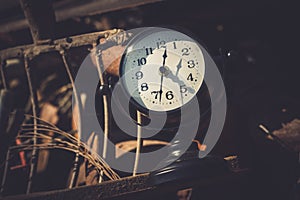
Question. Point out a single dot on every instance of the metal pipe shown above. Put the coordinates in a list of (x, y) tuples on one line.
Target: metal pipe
[(74, 174), (34, 105), (5, 172), (3, 78), (106, 101), (139, 142)]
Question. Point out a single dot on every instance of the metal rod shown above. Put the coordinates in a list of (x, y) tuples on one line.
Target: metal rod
[(3, 78), (74, 174), (5, 172), (106, 100), (106, 131), (41, 19), (139, 142), (34, 105), (273, 136)]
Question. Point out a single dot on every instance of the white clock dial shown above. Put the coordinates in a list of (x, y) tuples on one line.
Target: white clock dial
[(162, 70)]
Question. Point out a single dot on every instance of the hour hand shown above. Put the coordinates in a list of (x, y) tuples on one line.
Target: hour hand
[(178, 67), (177, 79), (164, 57)]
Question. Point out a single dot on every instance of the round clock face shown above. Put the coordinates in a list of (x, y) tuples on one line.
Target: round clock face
[(162, 69)]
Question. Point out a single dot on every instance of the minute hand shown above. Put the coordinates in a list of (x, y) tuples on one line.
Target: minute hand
[(162, 71)]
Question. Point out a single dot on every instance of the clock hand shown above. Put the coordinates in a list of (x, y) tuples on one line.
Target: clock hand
[(160, 90), (162, 70), (164, 57), (178, 80), (181, 83), (179, 66)]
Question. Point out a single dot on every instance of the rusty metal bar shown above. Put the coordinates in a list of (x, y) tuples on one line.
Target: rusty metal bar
[(33, 50), (3, 78), (4, 173), (41, 19), (106, 99), (75, 171), (34, 105), (139, 143)]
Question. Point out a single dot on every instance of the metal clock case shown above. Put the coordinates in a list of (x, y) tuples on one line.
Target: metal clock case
[(162, 70)]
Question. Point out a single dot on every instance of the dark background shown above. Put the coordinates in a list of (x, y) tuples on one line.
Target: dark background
[(261, 75)]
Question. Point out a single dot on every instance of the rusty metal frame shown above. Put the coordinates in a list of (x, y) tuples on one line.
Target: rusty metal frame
[(28, 52), (33, 50), (43, 43)]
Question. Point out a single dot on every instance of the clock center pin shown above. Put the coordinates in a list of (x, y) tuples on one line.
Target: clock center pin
[(164, 70)]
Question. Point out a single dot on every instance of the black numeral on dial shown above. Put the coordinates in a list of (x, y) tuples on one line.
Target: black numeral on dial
[(191, 64), (139, 75), (185, 52), (155, 93), (169, 95), (149, 51), (141, 61), (144, 87), (183, 89), (190, 77), (174, 45), (161, 44)]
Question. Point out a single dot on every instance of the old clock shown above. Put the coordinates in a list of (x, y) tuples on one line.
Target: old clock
[(162, 69)]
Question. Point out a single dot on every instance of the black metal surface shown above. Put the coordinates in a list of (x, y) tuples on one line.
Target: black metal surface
[(105, 190), (181, 172), (138, 187)]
